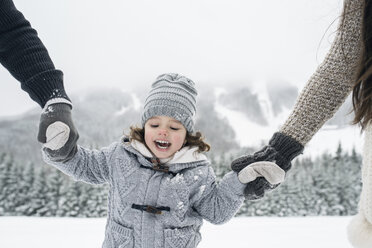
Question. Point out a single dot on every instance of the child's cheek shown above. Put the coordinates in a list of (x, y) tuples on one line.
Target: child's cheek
[(148, 138), (179, 140)]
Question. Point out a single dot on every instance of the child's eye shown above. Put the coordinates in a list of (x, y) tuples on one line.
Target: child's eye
[(154, 125), (174, 128)]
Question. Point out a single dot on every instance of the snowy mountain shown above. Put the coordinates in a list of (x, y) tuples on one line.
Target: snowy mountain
[(256, 117), (229, 118)]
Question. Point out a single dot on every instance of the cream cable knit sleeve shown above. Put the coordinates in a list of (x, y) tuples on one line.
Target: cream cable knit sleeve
[(332, 82), (365, 203)]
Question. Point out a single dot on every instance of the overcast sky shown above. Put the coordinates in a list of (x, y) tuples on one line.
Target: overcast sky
[(121, 43)]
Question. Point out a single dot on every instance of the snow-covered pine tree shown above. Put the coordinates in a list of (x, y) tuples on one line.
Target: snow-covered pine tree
[(38, 194), (8, 186), (70, 202), (85, 194), (55, 181), (25, 187)]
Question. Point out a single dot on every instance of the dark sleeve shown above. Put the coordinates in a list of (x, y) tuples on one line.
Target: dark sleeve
[(23, 54)]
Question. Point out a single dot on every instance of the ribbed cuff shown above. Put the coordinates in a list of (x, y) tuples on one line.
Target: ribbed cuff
[(286, 146), (55, 101), (58, 108), (46, 86)]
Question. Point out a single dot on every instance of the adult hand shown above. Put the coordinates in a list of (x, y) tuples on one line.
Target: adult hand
[(57, 132), (281, 150)]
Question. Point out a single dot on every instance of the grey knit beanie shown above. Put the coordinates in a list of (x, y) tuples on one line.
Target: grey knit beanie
[(172, 95)]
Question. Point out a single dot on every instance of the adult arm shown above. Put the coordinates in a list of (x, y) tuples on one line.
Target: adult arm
[(27, 59), (333, 80), (23, 54), (323, 94)]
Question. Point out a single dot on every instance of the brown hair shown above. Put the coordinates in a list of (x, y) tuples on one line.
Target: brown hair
[(197, 139), (362, 90)]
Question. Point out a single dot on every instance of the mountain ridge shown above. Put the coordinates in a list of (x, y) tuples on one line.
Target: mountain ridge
[(229, 117)]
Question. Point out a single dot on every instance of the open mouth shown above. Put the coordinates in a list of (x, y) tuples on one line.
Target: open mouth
[(162, 144)]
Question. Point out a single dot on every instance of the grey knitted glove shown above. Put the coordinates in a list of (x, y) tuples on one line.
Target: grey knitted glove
[(58, 133), (281, 150)]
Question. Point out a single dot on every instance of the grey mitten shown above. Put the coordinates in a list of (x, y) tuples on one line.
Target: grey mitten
[(58, 133), (281, 150)]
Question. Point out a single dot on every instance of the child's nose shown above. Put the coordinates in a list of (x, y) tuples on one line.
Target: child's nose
[(163, 132)]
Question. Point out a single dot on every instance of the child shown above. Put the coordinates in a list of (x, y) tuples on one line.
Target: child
[(161, 184)]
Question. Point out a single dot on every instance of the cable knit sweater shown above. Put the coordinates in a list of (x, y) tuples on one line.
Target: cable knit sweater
[(185, 195), (324, 93), (332, 82), (366, 196), (23, 54)]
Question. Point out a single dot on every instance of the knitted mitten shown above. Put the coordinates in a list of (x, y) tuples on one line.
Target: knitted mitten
[(58, 133), (281, 150)]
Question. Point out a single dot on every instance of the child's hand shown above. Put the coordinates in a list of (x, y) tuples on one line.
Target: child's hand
[(281, 150), (57, 132), (269, 170)]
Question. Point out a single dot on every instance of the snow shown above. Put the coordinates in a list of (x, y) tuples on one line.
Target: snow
[(253, 134), (201, 190), (240, 232), (50, 109), (121, 111), (177, 179), (328, 138), (180, 205), (137, 104), (248, 132)]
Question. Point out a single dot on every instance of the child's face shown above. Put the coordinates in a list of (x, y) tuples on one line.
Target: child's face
[(164, 136)]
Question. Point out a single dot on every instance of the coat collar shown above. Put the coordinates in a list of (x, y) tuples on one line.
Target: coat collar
[(187, 157)]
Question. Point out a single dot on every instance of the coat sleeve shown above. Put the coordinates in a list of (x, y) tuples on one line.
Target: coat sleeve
[(220, 201), (90, 166), (332, 82), (23, 54)]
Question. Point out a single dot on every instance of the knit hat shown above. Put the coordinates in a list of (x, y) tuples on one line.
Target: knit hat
[(174, 96)]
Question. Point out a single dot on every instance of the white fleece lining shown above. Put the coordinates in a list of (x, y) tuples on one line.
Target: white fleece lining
[(185, 155)]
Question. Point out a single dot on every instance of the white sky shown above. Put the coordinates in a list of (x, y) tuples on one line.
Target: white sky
[(116, 43)]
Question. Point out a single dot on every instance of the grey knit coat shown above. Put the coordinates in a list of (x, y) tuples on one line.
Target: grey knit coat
[(185, 195)]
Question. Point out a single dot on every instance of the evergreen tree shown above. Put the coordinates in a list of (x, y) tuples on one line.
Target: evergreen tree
[(3, 172), (327, 185), (55, 181), (85, 195), (25, 185), (339, 152), (38, 194), (8, 179), (69, 205)]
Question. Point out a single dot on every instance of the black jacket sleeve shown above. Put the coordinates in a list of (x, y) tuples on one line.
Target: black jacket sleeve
[(23, 54)]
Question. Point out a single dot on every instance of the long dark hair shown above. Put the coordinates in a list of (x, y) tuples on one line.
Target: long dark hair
[(362, 90), (197, 139)]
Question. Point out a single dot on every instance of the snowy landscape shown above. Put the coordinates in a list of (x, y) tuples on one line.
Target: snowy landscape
[(306, 186), (262, 232), (258, 53)]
